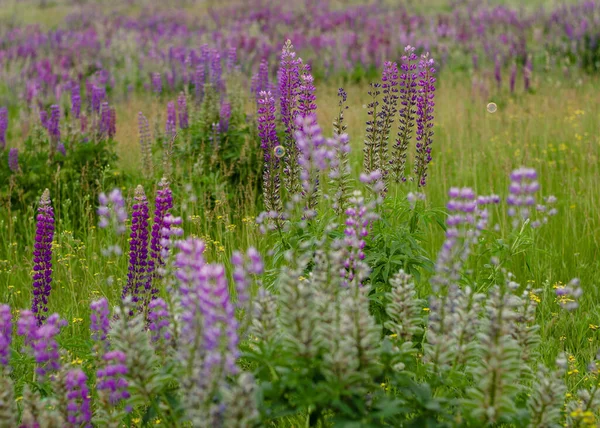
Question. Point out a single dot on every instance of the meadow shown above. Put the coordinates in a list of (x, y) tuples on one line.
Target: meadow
[(291, 214)]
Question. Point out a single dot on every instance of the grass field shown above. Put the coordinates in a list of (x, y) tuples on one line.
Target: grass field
[(553, 128)]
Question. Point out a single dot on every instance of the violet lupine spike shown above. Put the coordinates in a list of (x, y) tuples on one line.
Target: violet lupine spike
[(3, 126), (171, 125), (5, 335), (199, 81), (306, 94), (137, 278), (145, 139), (98, 96), (42, 258), (172, 229), (425, 109), (79, 411), (41, 340), (316, 155), (216, 70), (75, 101), (269, 142), (183, 111), (231, 58), (521, 201), (224, 116), (372, 130), (44, 118), (54, 123), (359, 217), (464, 224), (389, 89), (498, 72), (60, 148), (158, 320), (289, 84), (111, 381), (260, 81), (100, 321), (156, 83), (163, 203), (406, 113), (13, 159), (104, 125)]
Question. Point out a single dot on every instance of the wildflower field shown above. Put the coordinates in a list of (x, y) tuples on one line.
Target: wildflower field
[(311, 213)]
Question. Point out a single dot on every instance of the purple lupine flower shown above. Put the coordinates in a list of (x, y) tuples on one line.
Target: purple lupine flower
[(112, 211), (408, 100), (163, 203), (3, 126), (5, 334), (199, 80), (98, 96), (42, 258), (111, 378), (425, 107), (268, 136), (44, 118), (289, 83), (208, 312), (13, 159), (104, 125), (231, 58), (171, 125), (224, 116), (389, 88), (242, 268), (522, 190), (138, 248), (158, 317), (306, 94), (75, 101), (145, 143), (359, 216), (54, 123), (183, 111), (216, 70), (465, 221), (260, 81), (100, 321), (79, 411), (156, 83), (41, 339), (513, 77), (60, 148), (498, 72)]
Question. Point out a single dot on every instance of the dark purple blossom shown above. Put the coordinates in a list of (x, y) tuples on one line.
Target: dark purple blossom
[(163, 203), (60, 148), (42, 258), (75, 101), (137, 278), (224, 116), (156, 83), (54, 123), (100, 321), (199, 81)]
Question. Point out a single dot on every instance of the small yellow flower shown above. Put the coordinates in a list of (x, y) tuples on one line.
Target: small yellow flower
[(426, 309), (77, 362), (77, 320), (136, 420), (574, 371), (393, 335), (534, 297), (593, 327)]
